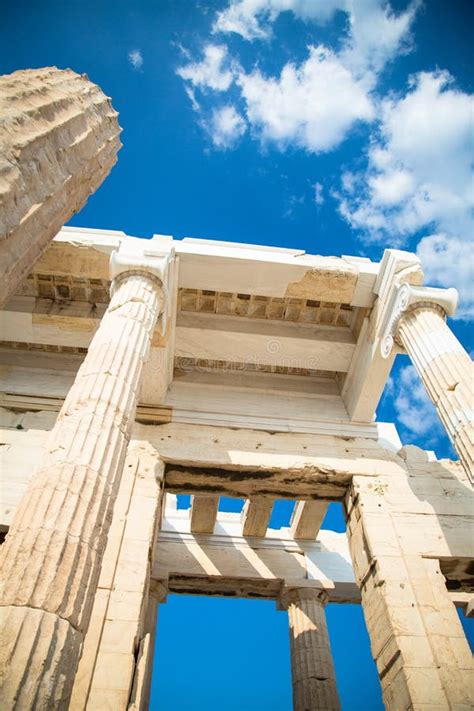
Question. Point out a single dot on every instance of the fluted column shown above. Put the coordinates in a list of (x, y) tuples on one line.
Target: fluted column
[(418, 325), (51, 559), (59, 138), (312, 670)]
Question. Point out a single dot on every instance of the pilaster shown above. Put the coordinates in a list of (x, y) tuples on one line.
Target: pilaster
[(124, 601), (140, 696), (417, 641)]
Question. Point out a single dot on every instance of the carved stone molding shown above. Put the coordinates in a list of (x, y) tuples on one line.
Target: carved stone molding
[(153, 258), (290, 596), (405, 299)]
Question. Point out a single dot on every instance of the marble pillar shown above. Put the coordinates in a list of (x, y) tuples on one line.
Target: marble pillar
[(312, 669), (418, 325), (51, 559)]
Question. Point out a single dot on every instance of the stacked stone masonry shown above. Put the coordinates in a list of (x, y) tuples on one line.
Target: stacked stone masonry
[(422, 655), (59, 138)]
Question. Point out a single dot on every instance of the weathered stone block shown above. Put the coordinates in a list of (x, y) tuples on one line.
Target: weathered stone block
[(59, 138)]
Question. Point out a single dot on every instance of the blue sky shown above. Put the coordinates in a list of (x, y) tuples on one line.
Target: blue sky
[(295, 130), (334, 126)]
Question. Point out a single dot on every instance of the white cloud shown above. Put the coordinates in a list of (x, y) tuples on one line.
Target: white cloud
[(414, 409), (419, 176), (419, 168), (392, 187), (252, 19), (448, 261), (375, 33), (135, 58), (318, 193), (192, 97), (211, 72), (225, 127), (312, 105)]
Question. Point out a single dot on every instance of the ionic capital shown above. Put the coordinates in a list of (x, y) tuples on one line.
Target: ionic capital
[(405, 299), (150, 258), (296, 596)]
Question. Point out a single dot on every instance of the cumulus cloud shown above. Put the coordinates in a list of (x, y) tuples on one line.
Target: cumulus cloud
[(225, 127), (419, 176), (252, 19), (211, 72), (375, 33), (312, 105), (419, 166), (135, 58)]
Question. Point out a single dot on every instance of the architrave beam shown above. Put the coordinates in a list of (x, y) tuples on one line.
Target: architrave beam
[(204, 481)]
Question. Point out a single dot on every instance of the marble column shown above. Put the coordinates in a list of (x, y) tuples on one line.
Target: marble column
[(51, 559), (314, 680), (418, 325)]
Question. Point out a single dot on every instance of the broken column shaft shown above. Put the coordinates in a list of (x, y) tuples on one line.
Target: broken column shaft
[(59, 138)]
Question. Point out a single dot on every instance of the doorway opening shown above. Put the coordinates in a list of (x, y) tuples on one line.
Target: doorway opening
[(233, 654)]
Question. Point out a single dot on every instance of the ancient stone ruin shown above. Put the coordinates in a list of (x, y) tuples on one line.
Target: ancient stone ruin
[(59, 138), (134, 370)]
